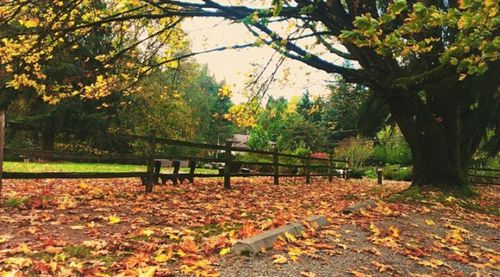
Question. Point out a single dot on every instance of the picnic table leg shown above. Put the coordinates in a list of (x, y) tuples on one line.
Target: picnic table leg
[(175, 175)]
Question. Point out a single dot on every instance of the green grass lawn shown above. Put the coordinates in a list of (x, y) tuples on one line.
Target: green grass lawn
[(87, 167)]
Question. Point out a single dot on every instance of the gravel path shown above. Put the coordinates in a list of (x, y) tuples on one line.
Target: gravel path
[(431, 240)]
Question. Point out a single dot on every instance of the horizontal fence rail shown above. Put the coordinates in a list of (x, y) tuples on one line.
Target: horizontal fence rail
[(489, 176)]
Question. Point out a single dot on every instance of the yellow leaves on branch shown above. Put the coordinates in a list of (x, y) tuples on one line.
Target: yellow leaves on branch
[(102, 87), (243, 115), (225, 92)]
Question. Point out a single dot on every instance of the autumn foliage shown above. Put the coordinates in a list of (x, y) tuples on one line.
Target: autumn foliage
[(110, 228)]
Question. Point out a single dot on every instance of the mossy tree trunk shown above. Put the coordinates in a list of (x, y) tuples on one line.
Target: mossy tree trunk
[(443, 124)]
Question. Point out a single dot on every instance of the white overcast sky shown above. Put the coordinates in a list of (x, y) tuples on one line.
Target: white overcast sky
[(234, 65)]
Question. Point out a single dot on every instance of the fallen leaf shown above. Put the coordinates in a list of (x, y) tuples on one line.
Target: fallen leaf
[(279, 259), (113, 219)]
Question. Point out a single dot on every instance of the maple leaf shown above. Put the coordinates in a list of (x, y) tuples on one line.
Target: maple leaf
[(381, 267), (148, 232), (374, 229), (429, 222), (113, 219), (294, 253), (394, 231), (290, 237), (4, 238), (146, 272), (162, 257), (359, 274), (433, 263), (53, 250), (279, 259), (224, 251), (454, 237), (189, 246), (77, 227)]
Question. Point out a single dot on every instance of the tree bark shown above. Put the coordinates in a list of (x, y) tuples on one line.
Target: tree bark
[(443, 124), (2, 143)]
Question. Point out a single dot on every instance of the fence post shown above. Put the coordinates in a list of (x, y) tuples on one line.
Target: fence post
[(346, 170), (276, 166), (308, 169), (330, 169), (157, 169), (150, 179), (192, 168), (379, 175), (227, 164)]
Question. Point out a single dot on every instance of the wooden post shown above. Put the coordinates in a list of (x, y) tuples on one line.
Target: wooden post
[(227, 164), (308, 169), (276, 166), (379, 175), (346, 170), (151, 162), (2, 144), (175, 175), (330, 169), (157, 169), (192, 168)]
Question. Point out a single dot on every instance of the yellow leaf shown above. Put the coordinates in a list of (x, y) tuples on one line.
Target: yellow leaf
[(113, 219), (4, 238), (290, 237), (374, 229), (53, 250), (429, 222), (394, 231), (146, 272), (307, 274), (161, 258), (279, 259), (53, 266), (294, 253), (381, 267), (77, 227), (433, 263), (148, 232), (21, 262), (224, 251), (359, 274)]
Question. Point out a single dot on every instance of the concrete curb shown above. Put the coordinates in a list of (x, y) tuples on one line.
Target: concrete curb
[(359, 206), (266, 240)]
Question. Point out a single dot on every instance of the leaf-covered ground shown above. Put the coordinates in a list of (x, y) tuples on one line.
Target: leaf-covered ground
[(110, 227)]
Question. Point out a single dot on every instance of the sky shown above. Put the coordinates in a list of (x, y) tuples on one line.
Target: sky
[(233, 66)]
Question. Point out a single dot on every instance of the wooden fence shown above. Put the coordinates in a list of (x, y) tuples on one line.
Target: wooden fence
[(487, 176), (230, 165)]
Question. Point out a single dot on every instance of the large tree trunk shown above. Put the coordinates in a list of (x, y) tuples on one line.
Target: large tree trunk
[(443, 124), (2, 143)]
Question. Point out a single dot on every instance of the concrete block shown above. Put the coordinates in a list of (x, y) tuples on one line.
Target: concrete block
[(267, 239), (317, 221), (359, 206)]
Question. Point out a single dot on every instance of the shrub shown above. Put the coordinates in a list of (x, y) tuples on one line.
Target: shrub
[(355, 149), (397, 173)]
